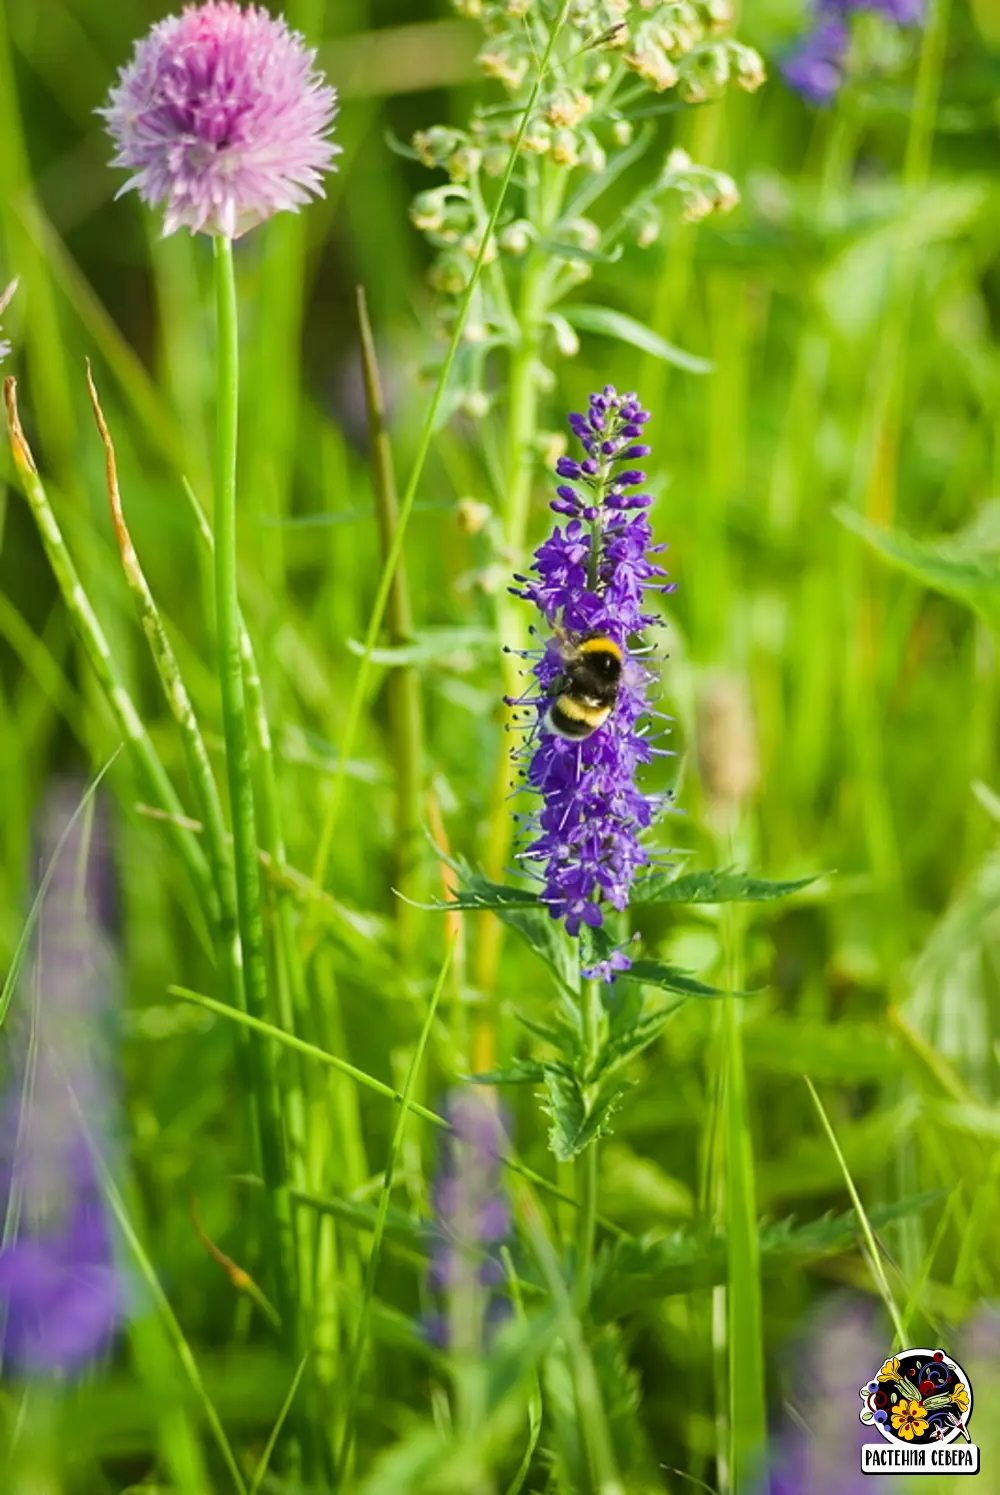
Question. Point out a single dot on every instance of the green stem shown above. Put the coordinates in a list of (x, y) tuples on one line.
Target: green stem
[(235, 729), (405, 705), (355, 705), (586, 1163), (522, 428), (150, 771)]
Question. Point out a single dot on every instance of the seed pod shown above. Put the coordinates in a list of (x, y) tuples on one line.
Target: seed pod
[(727, 745)]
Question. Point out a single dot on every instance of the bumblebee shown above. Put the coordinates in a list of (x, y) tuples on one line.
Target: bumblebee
[(585, 692)]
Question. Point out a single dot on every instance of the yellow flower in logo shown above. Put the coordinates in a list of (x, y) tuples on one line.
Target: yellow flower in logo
[(909, 1420), (960, 1397), (890, 1370)]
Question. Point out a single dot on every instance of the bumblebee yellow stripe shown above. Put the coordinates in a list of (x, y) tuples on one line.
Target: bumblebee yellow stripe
[(601, 646)]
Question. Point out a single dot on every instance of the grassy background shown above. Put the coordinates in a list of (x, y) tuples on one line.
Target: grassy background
[(850, 307)]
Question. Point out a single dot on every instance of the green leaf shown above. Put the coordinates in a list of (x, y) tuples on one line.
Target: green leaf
[(577, 1121), (943, 565), (519, 910), (517, 1072), (669, 978), (621, 1047), (607, 322), (849, 1051), (724, 885), (632, 1273)]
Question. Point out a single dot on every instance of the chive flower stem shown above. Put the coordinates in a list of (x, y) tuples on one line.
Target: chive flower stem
[(236, 733)]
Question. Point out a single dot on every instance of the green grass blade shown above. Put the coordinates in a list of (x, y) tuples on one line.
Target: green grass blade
[(745, 1328), (275, 1433), (874, 1251), (357, 1355), (21, 949)]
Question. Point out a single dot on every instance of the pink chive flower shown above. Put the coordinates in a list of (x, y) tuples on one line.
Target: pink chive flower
[(222, 118)]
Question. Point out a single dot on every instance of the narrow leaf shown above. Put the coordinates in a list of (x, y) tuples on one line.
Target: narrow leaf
[(607, 322), (669, 978), (941, 565), (724, 885)]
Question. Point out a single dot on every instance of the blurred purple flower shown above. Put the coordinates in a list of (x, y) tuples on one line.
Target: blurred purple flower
[(61, 1295), (222, 118), (473, 1220), (820, 1454), (591, 577), (816, 69)]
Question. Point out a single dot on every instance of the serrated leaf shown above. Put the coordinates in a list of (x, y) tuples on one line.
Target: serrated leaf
[(519, 910), (669, 978), (517, 1072), (576, 1120), (607, 322), (724, 885), (560, 1034), (942, 565), (621, 1047), (634, 1272)]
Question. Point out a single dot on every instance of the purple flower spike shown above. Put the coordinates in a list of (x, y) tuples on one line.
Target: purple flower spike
[(473, 1219), (817, 68), (221, 117), (590, 578), (62, 1297)]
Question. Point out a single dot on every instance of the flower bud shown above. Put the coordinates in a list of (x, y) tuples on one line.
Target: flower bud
[(507, 64), (583, 233), (567, 341), (517, 237), (622, 132), (495, 158), (475, 403), (450, 273), (435, 145), (750, 72), (427, 212), (648, 224), (727, 192), (472, 515), (593, 156), (719, 14), (537, 136), (564, 148), (727, 745), (567, 108), (697, 205), (653, 66), (470, 246), (464, 162)]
